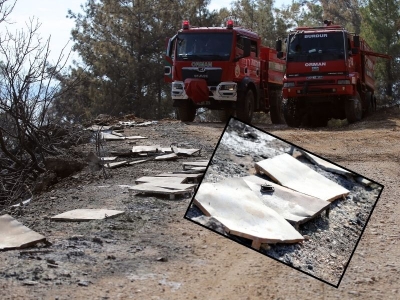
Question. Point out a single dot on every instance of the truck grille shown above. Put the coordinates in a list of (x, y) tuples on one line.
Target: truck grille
[(316, 82), (211, 75)]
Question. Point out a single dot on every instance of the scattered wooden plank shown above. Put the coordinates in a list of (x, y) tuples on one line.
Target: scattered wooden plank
[(145, 124), (96, 128), (295, 207), (108, 158), (295, 175), (236, 206), (131, 163), (115, 165), (171, 156), (326, 165), (185, 152), (188, 165), (115, 132), (151, 189), (139, 149), (194, 177), (87, 214), (200, 169), (135, 137), (14, 234), (195, 170), (149, 179), (110, 137), (127, 123), (170, 185)]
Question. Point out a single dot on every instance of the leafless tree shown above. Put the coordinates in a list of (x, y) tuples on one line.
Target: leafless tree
[(28, 86)]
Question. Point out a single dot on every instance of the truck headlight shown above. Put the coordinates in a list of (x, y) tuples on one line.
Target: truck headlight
[(228, 87), (343, 81), (177, 85), (288, 84)]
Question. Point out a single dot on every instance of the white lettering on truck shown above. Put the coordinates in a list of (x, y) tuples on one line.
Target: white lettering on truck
[(312, 36), (315, 64), (202, 64)]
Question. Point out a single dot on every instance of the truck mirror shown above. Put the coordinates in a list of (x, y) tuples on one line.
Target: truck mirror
[(354, 51), (246, 48), (278, 45), (170, 45), (279, 54), (356, 41)]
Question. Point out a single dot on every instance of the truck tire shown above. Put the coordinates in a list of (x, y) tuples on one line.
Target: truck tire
[(187, 112), (369, 105), (353, 109), (292, 113), (275, 107), (245, 106), (225, 114)]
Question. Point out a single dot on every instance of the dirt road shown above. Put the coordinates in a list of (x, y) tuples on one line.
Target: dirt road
[(153, 253)]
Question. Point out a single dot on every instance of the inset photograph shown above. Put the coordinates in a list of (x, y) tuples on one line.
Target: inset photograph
[(284, 202)]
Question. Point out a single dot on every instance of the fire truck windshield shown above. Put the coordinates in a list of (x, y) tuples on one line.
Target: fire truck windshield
[(316, 46), (204, 46)]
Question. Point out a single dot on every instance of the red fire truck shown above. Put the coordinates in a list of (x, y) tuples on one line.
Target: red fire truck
[(329, 74), (223, 68)]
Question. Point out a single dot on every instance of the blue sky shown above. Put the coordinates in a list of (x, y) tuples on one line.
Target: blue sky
[(52, 16)]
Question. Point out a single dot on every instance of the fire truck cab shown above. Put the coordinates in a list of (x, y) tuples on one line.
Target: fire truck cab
[(222, 68), (329, 74)]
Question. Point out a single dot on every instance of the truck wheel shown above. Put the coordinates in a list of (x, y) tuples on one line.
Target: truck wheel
[(187, 112), (374, 103), (353, 109), (292, 113), (369, 106), (245, 106), (225, 114), (275, 107)]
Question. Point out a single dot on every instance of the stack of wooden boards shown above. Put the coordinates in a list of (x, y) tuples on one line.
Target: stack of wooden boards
[(173, 183), (300, 194)]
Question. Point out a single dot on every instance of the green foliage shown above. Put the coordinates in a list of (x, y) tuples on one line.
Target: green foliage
[(380, 28)]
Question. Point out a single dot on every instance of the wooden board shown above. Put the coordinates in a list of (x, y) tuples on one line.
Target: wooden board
[(139, 149), (14, 234), (182, 151), (169, 185), (295, 207), (110, 137), (87, 214), (236, 206), (151, 189), (131, 163), (127, 123), (195, 177), (98, 127), (109, 158), (291, 173), (160, 179), (171, 156), (115, 164), (135, 137), (326, 165), (188, 165), (114, 132)]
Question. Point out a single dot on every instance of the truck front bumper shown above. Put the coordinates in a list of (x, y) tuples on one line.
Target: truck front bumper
[(225, 91), (318, 91)]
